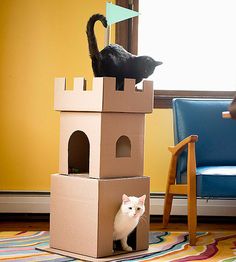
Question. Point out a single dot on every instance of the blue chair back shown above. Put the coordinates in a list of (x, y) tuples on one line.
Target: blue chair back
[(216, 144)]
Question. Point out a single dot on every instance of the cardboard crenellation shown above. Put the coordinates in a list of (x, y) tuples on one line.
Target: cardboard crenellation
[(78, 99), (103, 97)]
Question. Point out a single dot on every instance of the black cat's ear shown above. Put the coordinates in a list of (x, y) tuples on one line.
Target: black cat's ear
[(157, 63)]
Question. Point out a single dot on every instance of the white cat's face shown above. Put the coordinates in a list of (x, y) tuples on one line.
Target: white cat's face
[(133, 206)]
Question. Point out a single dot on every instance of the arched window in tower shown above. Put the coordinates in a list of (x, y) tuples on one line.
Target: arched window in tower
[(123, 147), (78, 153)]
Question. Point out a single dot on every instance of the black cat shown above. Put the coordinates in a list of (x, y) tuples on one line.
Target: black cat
[(115, 61)]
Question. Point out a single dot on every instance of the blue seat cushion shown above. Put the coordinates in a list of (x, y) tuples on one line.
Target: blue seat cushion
[(216, 181)]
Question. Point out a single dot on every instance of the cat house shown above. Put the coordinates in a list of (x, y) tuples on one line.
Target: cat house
[(83, 212), (106, 125), (101, 158)]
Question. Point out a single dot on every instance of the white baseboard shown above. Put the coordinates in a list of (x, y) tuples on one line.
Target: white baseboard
[(39, 202), (20, 202), (205, 207)]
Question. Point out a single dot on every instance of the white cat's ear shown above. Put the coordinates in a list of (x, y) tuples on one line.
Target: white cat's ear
[(125, 198), (142, 199)]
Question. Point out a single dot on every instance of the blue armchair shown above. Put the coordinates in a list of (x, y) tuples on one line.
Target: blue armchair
[(203, 162)]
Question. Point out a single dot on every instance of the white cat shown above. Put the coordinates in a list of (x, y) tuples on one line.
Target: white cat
[(127, 218)]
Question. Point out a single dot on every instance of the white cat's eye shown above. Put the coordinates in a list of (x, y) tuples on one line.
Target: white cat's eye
[(138, 208), (130, 207)]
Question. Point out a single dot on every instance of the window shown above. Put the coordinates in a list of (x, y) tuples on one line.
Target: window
[(194, 39), (123, 147)]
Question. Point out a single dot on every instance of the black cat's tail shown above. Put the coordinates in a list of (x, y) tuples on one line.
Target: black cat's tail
[(92, 41)]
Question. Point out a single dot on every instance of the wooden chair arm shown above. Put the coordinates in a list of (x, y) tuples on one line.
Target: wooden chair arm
[(177, 149)]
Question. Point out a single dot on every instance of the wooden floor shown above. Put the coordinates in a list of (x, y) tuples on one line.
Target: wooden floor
[(212, 224), (202, 227)]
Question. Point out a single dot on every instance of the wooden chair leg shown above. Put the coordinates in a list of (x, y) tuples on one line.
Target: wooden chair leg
[(192, 196), (192, 220), (168, 195), (167, 209)]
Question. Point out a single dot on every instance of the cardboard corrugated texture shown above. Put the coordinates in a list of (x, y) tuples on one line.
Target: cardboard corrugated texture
[(83, 211), (104, 97), (103, 131)]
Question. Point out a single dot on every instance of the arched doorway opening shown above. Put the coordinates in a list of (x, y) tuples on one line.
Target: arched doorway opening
[(78, 153)]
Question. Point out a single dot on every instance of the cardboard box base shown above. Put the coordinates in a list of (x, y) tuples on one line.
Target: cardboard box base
[(83, 212), (119, 256)]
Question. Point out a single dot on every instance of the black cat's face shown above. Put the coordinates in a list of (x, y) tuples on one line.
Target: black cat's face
[(148, 65)]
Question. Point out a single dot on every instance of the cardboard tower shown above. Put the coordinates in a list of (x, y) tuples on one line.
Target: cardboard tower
[(101, 158)]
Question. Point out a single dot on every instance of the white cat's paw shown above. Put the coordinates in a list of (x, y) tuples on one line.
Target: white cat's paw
[(128, 248)]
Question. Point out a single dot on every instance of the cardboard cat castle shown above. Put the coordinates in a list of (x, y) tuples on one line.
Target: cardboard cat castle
[(101, 158)]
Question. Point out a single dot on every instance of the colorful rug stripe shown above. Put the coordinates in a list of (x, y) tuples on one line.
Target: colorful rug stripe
[(173, 247), (21, 246)]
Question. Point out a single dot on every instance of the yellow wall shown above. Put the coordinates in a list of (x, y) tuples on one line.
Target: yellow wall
[(159, 135), (40, 40)]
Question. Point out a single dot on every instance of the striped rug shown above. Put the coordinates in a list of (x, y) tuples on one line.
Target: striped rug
[(174, 247)]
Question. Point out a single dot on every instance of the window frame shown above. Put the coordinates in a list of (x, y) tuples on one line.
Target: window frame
[(127, 36)]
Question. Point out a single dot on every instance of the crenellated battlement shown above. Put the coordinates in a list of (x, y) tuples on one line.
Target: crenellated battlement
[(103, 97)]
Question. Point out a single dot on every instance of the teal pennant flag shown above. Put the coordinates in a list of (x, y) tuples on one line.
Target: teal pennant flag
[(115, 13)]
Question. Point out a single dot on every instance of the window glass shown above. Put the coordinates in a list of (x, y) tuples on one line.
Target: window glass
[(195, 40)]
